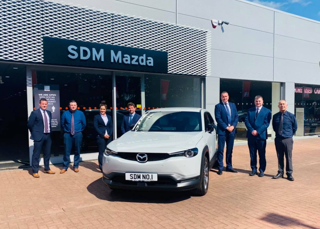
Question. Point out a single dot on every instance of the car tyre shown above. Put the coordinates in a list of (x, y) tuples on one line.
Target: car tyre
[(202, 189)]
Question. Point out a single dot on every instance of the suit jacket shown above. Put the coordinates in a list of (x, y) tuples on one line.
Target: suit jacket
[(36, 125), (101, 127), (222, 118), (125, 126), (260, 124)]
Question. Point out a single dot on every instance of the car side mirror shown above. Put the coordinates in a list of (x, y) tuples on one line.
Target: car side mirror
[(212, 127)]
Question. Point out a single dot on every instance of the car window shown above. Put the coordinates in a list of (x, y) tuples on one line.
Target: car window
[(207, 120), (170, 122)]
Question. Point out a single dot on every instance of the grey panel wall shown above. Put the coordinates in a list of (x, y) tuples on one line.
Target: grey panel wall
[(25, 22)]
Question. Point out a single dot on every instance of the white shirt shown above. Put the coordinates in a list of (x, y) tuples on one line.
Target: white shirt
[(259, 109), (46, 114), (105, 119)]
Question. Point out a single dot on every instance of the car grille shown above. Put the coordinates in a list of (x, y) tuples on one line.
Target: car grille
[(151, 156)]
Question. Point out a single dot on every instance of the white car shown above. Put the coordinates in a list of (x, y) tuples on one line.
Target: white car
[(168, 149)]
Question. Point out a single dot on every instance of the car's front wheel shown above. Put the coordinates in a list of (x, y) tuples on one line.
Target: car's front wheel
[(202, 189)]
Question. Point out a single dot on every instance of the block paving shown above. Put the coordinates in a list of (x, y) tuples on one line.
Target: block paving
[(81, 200)]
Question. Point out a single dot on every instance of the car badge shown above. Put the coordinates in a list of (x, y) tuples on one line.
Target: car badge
[(142, 157)]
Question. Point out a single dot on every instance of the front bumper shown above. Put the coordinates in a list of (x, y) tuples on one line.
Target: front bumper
[(164, 183)]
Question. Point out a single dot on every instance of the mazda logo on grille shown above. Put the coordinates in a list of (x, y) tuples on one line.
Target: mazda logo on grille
[(142, 157)]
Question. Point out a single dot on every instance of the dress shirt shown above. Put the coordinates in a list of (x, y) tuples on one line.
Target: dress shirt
[(43, 112), (79, 121), (259, 109), (105, 119), (290, 125)]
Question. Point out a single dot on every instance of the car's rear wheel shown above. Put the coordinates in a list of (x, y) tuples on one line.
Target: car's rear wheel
[(202, 189)]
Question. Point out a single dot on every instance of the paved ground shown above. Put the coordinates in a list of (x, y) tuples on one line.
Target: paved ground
[(234, 200)]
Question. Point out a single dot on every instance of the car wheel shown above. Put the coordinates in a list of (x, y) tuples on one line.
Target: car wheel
[(202, 189)]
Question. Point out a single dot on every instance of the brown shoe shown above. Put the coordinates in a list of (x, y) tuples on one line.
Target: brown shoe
[(63, 171), (35, 175), (49, 171), (76, 170)]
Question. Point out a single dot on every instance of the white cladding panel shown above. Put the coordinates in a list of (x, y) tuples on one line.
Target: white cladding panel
[(299, 50), (233, 38), (162, 12), (290, 26), (296, 71), (241, 66), (237, 13)]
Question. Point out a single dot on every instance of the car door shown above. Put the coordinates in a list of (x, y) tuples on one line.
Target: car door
[(210, 136)]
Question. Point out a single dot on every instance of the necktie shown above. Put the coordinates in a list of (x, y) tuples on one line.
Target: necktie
[(130, 119), (280, 125), (72, 124), (228, 113), (257, 112), (46, 126)]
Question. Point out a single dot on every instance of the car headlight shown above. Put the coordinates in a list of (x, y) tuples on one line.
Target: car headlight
[(187, 153), (110, 152)]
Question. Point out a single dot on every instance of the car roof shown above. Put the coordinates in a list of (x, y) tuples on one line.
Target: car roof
[(176, 109)]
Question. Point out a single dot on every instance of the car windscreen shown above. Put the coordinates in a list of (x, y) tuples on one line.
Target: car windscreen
[(170, 122)]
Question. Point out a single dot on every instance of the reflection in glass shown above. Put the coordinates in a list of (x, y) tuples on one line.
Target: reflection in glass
[(172, 91), (308, 98), (170, 122)]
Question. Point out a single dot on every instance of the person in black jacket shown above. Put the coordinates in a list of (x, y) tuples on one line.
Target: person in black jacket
[(104, 128)]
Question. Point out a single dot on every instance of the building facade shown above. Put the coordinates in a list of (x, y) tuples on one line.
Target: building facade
[(155, 54)]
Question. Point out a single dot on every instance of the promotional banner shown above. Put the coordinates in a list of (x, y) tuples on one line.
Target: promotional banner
[(164, 89), (246, 89), (52, 95)]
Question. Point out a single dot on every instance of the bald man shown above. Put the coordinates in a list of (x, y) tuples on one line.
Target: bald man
[(285, 125)]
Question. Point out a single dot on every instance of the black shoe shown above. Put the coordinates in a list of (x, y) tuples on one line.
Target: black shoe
[(278, 176), (232, 170), (261, 174), (253, 173), (219, 172), (290, 177)]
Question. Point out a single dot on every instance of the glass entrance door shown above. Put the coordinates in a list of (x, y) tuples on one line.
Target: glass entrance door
[(13, 114)]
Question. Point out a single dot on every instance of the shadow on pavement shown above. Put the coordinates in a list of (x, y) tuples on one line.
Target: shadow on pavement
[(103, 192), (249, 171), (285, 221), (91, 165)]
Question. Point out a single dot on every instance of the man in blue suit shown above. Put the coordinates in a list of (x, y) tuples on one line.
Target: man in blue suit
[(227, 119), (39, 125), (129, 121), (104, 128), (257, 123)]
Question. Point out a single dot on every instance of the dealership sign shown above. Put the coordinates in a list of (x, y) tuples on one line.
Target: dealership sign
[(86, 54)]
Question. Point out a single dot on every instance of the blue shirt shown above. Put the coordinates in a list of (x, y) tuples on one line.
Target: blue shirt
[(79, 121), (289, 124)]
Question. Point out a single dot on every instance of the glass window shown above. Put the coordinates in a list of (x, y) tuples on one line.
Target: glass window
[(88, 90), (307, 97), (242, 94), (13, 114), (172, 91)]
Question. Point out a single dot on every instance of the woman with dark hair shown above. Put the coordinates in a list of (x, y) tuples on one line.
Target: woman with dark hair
[(104, 127)]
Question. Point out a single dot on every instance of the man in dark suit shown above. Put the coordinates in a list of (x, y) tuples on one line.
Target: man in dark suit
[(104, 128), (257, 123), (129, 121), (39, 125), (285, 125), (227, 118)]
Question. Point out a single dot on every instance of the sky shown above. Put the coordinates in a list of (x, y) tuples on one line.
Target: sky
[(304, 8)]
